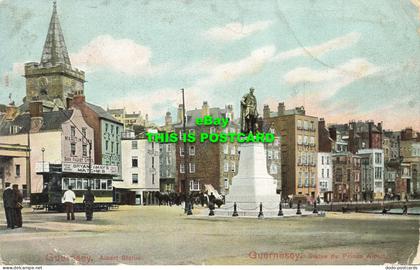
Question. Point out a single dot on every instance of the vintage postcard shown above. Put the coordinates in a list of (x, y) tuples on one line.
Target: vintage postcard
[(187, 132)]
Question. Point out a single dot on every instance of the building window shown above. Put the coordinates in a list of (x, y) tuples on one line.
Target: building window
[(305, 124), (117, 148), (273, 169), (112, 129), (194, 185), (226, 166), (233, 166), (322, 173), (300, 179), (378, 173), (225, 149), (299, 123), (192, 150), (305, 140), (313, 180), (232, 150), (106, 127), (276, 154), (112, 147), (322, 162), (328, 172), (181, 151), (135, 178), (117, 131), (328, 160), (192, 167), (226, 183), (73, 149), (299, 139), (84, 132), (17, 170), (72, 131), (306, 179), (168, 147), (153, 179), (168, 160), (106, 145), (378, 158), (134, 162), (134, 145), (312, 140), (84, 150), (270, 154), (181, 168), (153, 162)]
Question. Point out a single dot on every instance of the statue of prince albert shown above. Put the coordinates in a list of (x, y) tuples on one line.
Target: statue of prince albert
[(249, 113)]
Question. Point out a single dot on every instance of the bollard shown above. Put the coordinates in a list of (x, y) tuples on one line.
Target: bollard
[(235, 212), (260, 214), (280, 211), (298, 212), (315, 209)]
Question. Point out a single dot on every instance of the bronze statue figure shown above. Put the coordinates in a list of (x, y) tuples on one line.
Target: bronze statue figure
[(249, 113)]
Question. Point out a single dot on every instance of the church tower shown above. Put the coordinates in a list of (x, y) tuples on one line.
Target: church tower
[(53, 81)]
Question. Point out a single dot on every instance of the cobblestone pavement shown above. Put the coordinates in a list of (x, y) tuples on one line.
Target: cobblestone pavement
[(164, 235)]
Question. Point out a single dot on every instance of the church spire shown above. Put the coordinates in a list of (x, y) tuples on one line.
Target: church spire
[(55, 51)]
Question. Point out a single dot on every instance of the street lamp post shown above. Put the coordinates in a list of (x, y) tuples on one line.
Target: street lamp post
[(42, 150), (186, 193)]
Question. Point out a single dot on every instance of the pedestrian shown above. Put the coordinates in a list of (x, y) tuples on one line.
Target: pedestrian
[(405, 209), (212, 199), (8, 203), (88, 200), (68, 199), (18, 197)]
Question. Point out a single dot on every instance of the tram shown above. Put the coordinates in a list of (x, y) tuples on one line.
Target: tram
[(57, 179)]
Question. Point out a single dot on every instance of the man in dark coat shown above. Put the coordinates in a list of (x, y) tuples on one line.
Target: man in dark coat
[(88, 200), (9, 204), (18, 196)]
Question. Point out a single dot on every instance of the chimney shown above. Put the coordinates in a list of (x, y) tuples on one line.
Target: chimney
[(281, 108), (35, 111), (205, 109), (168, 119), (35, 108), (11, 112), (333, 133), (79, 98), (179, 114), (321, 123), (266, 111)]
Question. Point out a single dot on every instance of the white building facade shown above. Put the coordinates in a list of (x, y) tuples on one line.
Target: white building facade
[(372, 171), (325, 171), (140, 171)]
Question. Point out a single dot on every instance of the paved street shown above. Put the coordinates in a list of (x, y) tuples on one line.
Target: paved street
[(163, 235)]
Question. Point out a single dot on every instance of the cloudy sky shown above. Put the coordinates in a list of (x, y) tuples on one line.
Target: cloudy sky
[(342, 60)]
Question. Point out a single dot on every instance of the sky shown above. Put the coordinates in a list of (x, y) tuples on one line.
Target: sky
[(341, 60)]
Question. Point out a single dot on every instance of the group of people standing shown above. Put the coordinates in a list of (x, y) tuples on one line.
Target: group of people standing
[(13, 198), (12, 202), (69, 199)]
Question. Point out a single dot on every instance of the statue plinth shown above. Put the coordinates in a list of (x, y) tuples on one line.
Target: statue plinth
[(252, 185)]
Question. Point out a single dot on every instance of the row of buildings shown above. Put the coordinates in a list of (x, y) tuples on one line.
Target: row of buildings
[(55, 128)]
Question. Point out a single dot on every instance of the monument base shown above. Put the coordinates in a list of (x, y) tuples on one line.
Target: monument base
[(252, 185)]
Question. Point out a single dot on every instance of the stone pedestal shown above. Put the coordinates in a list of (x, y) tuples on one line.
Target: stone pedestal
[(253, 185)]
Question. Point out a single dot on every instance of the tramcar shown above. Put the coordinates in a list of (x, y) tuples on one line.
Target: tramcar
[(56, 182)]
